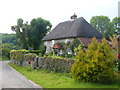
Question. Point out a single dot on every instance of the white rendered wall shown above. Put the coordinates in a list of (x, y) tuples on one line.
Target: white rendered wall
[(49, 44)]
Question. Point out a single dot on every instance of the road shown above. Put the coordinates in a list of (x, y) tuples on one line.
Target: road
[(9, 78)]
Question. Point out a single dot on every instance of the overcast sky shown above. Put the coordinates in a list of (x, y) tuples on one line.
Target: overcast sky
[(55, 11)]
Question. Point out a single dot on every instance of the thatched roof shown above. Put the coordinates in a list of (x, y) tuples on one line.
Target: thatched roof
[(71, 29)]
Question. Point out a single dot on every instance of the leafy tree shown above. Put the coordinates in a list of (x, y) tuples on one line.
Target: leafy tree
[(103, 24), (115, 21), (21, 30), (9, 38), (6, 47), (39, 28), (8, 42)]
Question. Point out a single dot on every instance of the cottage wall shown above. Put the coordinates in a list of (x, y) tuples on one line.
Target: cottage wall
[(49, 44)]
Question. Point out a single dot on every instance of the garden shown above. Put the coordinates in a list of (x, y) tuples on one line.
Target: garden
[(94, 67)]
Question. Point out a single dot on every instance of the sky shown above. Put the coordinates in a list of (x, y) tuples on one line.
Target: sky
[(55, 11)]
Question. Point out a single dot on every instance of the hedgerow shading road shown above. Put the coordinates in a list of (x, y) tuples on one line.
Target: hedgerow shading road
[(12, 79)]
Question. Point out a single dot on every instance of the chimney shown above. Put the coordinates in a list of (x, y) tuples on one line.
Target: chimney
[(73, 17)]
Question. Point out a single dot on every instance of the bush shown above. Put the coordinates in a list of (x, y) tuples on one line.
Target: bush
[(29, 56), (42, 49), (55, 64), (95, 64), (18, 55), (35, 51)]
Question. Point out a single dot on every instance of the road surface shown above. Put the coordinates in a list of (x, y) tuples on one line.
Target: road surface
[(9, 78)]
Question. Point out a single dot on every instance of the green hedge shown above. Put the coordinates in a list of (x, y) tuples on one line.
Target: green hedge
[(35, 51), (46, 63), (55, 64), (18, 55), (29, 56)]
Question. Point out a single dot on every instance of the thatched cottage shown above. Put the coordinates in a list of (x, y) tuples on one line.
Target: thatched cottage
[(69, 30)]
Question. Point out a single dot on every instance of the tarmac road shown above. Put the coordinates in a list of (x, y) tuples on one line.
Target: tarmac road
[(9, 78)]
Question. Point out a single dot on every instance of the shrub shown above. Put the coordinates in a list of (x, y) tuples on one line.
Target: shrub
[(55, 64), (115, 46), (94, 64), (42, 49), (18, 55), (34, 51), (29, 56)]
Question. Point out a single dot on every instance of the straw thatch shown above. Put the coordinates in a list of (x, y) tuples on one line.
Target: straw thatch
[(72, 29)]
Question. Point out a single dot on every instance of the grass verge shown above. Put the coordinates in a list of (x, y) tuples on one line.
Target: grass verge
[(4, 59), (56, 80)]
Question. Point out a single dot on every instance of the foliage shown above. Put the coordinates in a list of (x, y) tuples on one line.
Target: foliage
[(73, 46), (115, 21), (42, 49), (29, 56), (30, 35), (76, 49), (103, 24), (39, 52), (34, 51), (39, 28), (9, 38), (58, 80), (50, 54), (94, 65), (114, 43), (55, 64), (18, 56), (8, 42), (5, 50), (76, 44), (21, 30)]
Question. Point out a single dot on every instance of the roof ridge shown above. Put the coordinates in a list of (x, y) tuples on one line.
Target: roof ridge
[(79, 27)]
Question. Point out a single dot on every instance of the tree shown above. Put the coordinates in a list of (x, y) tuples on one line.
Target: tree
[(103, 24), (115, 21), (6, 47), (39, 27), (9, 38), (95, 64), (21, 30), (8, 42)]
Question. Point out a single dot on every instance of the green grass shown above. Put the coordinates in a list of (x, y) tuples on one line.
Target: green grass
[(56, 80), (4, 59)]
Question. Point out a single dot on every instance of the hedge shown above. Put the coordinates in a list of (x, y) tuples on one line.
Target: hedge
[(29, 56), (35, 51), (18, 56), (46, 63), (55, 64)]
